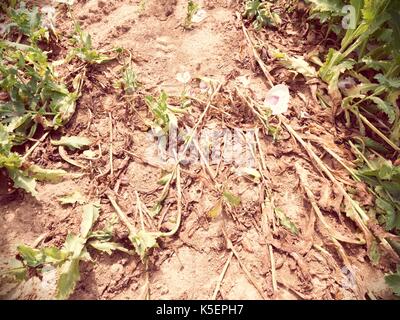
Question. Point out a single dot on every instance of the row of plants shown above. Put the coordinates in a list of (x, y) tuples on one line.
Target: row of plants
[(35, 98), (363, 77), (362, 73)]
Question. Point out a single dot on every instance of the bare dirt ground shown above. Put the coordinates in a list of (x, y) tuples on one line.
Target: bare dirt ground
[(189, 264)]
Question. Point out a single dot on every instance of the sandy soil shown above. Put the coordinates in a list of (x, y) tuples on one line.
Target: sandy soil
[(188, 265)]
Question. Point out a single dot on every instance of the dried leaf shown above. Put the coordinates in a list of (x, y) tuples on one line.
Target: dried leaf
[(216, 210)]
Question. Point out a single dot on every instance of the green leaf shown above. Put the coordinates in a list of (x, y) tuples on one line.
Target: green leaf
[(165, 179), (106, 233), (16, 270), (22, 181), (89, 217), (11, 161), (381, 168), (4, 139), (370, 143), (332, 6), (385, 107), (68, 277), (65, 106), (33, 257), (74, 245), (73, 142), (156, 209), (107, 247), (285, 221), (233, 200), (374, 253), (390, 83), (143, 241), (75, 197), (192, 8), (129, 82), (395, 25), (296, 63), (393, 281), (54, 255), (261, 13), (41, 174), (331, 70), (392, 220)]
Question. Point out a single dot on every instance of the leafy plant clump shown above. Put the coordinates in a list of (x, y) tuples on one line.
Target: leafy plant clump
[(84, 48), (164, 118), (67, 259), (363, 77), (384, 178), (32, 95), (260, 13)]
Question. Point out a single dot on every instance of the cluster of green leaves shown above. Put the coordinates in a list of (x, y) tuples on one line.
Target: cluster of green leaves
[(32, 95), (67, 259), (28, 22), (370, 56), (327, 11), (384, 178), (260, 13), (84, 48), (129, 81), (393, 281), (164, 117)]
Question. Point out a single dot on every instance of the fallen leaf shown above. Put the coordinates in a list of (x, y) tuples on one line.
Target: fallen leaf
[(216, 210), (75, 197), (233, 200), (73, 142)]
